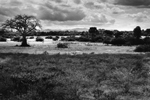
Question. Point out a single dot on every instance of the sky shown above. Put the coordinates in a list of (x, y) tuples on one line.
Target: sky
[(70, 14)]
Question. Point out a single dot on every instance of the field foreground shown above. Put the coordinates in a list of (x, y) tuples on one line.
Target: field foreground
[(76, 77)]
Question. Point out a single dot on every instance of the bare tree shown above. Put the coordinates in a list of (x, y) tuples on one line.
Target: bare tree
[(24, 24)]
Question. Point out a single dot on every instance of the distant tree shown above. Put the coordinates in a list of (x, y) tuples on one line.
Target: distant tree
[(137, 32), (93, 32), (23, 24), (109, 33), (147, 32), (2, 32)]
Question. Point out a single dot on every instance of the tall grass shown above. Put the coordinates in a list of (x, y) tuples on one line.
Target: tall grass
[(79, 77)]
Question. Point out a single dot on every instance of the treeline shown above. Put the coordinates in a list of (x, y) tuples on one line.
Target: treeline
[(114, 37), (57, 33), (8, 34)]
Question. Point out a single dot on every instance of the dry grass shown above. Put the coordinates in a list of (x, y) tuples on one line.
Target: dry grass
[(74, 47)]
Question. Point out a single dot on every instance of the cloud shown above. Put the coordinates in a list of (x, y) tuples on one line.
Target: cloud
[(11, 11), (139, 17), (15, 3), (58, 1), (2, 18), (99, 19), (59, 14), (77, 1), (138, 3), (94, 5), (116, 10)]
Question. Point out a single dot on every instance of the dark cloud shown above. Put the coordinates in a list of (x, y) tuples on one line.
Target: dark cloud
[(59, 14), (77, 1), (138, 3)]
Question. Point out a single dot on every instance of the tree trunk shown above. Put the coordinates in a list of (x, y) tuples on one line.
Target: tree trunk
[(24, 41)]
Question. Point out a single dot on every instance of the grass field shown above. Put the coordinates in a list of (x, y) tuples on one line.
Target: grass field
[(74, 48), (76, 77)]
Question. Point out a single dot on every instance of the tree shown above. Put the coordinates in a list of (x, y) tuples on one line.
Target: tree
[(137, 32), (2, 32), (93, 32), (23, 24)]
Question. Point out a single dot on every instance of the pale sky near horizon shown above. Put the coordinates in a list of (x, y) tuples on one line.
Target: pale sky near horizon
[(68, 14)]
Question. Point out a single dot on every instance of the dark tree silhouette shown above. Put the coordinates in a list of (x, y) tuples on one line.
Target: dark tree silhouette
[(93, 32), (24, 24), (137, 32)]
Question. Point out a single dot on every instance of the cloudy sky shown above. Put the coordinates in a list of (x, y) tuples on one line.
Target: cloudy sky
[(68, 14)]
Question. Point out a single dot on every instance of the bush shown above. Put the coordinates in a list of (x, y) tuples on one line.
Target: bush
[(62, 45), (118, 41), (39, 39), (55, 38), (63, 39), (143, 48), (146, 40), (83, 39), (48, 37), (32, 37), (2, 39), (107, 40)]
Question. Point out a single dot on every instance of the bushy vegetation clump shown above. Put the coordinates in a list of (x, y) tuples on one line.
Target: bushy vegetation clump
[(80, 77), (62, 45), (143, 48), (55, 38), (48, 37), (2, 39), (39, 39), (31, 37)]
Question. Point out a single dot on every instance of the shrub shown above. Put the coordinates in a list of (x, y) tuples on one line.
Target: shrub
[(71, 39), (48, 37), (32, 37), (142, 48), (83, 39), (107, 40), (63, 39), (97, 39), (62, 45), (55, 38), (118, 41), (39, 39), (146, 40), (2, 39)]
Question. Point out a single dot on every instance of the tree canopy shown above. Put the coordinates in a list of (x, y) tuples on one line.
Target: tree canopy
[(137, 32), (24, 24)]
